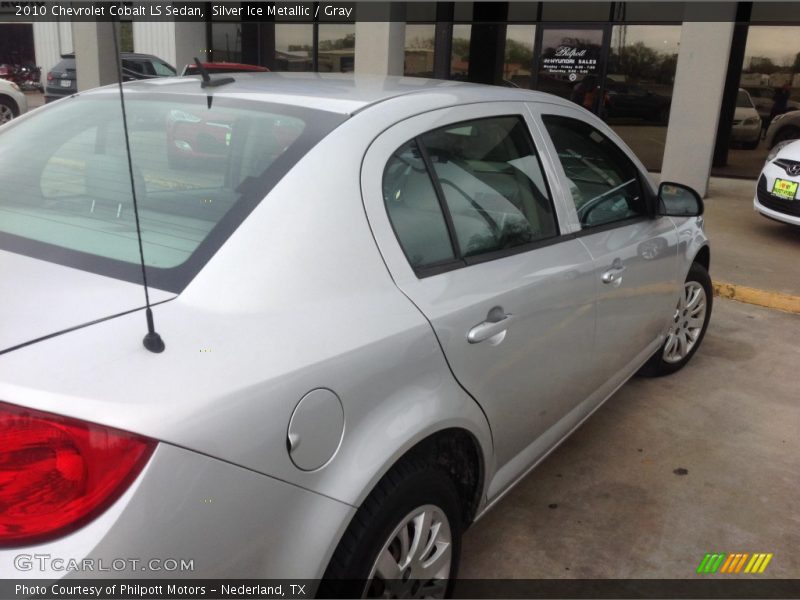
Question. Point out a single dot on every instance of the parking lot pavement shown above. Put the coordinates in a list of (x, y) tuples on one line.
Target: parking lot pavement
[(746, 248), (611, 502), (35, 99)]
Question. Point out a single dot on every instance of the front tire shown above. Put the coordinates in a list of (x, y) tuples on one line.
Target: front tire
[(404, 541), (688, 326)]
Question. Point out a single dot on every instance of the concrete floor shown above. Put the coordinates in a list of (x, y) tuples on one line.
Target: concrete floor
[(746, 248), (608, 502)]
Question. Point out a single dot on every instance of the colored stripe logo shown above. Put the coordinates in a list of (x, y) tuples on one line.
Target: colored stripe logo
[(738, 562)]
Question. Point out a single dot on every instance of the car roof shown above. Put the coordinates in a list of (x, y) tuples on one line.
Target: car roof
[(333, 92)]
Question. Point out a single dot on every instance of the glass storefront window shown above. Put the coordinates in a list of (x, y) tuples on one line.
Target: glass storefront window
[(638, 87), (294, 47), (226, 40), (337, 48), (518, 60), (459, 58), (569, 65), (769, 86), (419, 48)]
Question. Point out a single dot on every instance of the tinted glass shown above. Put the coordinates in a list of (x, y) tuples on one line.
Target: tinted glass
[(197, 172), (771, 75), (603, 181), (642, 61), (419, 50), (163, 69), (294, 47), (414, 209), (459, 57), (337, 48), (519, 55), (492, 183), (743, 100)]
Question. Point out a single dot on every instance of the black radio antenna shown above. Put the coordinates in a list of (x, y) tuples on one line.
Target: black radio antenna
[(152, 341)]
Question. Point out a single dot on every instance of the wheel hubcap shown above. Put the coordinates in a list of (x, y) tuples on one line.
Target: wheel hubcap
[(415, 560), (5, 114), (687, 323)]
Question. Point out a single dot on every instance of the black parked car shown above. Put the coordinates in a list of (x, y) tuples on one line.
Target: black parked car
[(626, 100), (63, 79)]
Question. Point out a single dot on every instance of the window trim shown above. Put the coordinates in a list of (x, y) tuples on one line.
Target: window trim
[(461, 261)]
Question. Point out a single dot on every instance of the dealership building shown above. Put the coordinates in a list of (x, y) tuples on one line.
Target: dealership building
[(666, 76)]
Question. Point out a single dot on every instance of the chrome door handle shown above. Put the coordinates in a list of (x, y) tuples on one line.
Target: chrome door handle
[(489, 329), (612, 275)]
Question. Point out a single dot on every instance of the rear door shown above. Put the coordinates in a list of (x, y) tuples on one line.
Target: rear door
[(464, 216), (635, 255)]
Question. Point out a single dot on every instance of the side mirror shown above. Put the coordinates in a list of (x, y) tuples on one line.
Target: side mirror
[(677, 200)]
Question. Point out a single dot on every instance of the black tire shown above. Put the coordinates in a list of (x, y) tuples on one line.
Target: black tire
[(10, 105), (656, 366), (785, 133), (408, 485)]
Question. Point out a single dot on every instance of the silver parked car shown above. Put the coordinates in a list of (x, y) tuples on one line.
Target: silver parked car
[(383, 301)]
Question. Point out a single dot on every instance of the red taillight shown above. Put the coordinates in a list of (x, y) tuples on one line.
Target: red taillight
[(57, 473)]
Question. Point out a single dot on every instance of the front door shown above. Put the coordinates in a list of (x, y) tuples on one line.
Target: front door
[(635, 255)]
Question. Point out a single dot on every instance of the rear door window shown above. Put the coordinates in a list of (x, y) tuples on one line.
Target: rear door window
[(490, 177)]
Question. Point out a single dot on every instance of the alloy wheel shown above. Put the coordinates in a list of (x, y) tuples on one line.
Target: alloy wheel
[(6, 114), (416, 559), (687, 323)]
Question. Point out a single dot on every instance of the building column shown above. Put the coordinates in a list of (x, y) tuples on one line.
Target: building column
[(696, 98), (94, 53), (380, 44), (487, 42)]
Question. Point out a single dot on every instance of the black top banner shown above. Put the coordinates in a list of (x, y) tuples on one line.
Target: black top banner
[(331, 11)]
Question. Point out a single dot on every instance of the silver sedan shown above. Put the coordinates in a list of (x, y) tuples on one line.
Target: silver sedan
[(379, 303)]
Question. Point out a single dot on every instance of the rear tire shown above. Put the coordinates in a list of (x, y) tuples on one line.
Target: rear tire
[(415, 501), (688, 327)]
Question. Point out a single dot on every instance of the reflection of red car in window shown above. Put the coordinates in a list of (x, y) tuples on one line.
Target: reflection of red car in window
[(223, 67), (196, 141), (192, 139)]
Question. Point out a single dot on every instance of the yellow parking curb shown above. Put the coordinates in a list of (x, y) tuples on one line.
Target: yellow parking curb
[(758, 297)]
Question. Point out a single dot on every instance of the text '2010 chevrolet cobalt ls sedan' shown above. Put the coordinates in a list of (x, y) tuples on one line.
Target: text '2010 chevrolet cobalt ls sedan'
[(382, 302)]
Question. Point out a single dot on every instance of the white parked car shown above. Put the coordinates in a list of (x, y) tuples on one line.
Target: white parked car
[(784, 127), (13, 102), (777, 190), (746, 122)]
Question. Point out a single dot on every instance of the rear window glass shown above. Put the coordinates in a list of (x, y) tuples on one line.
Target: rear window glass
[(198, 172)]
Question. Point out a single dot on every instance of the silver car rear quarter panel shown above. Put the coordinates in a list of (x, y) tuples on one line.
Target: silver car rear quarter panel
[(230, 522), (298, 298)]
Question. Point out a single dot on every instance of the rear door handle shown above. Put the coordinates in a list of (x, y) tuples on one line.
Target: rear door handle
[(490, 328)]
